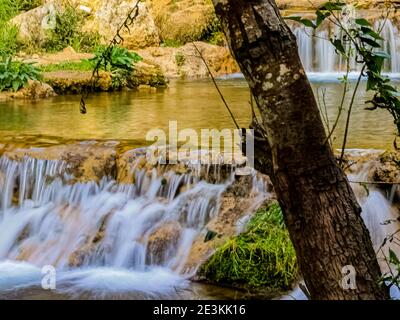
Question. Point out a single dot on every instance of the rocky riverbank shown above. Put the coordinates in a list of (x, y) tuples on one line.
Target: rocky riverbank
[(238, 217)]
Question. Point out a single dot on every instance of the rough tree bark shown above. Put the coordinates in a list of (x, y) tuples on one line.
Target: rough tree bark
[(321, 211)]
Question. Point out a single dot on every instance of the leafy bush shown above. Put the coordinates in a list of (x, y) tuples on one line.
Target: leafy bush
[(8, 32), (119, 61), (117, 57), (25, 5), (8, 39), (15, 74), (67, 32), (261, 257), (8, 9)]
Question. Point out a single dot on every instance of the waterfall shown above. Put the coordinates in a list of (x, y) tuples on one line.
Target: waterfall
[(318, 54), (102, 235)]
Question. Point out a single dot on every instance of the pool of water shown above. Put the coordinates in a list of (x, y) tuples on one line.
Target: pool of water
[(129, 115)]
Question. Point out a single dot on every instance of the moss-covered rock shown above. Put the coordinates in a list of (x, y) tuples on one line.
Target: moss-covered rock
[(261, 258)]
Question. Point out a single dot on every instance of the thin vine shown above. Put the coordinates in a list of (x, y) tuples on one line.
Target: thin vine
[(105, 59)]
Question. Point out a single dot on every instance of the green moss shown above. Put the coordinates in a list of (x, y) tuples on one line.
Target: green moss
[(261, 257), (84, 65)]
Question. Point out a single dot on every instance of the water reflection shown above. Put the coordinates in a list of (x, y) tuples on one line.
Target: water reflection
[(129, 115)]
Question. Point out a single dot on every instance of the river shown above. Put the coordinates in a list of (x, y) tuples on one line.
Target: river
[(129, 115)]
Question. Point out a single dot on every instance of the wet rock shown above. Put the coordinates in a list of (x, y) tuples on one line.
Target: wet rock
[(33, 90), (83, 254), (85, 162), (77, 82), (389, 168), (163, 242), (388, 174), (147, 74)]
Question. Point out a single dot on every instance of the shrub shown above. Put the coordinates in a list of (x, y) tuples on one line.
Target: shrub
[(8, 32), (67, 32), (261, 257), (8, 39), (119, 61), (25, 5), (15, 74), (180, 59), (117, 57)]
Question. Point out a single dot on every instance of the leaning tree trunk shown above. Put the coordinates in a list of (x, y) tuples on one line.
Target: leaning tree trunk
[(321, 211)]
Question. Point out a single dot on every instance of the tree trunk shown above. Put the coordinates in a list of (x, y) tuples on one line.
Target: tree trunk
[(321, 211)]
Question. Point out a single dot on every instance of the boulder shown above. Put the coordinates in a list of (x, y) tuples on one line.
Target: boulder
[(185, 62), (34, 90), (86, 161), (162, 243), (110, 14), (34, 23), (182, 20)]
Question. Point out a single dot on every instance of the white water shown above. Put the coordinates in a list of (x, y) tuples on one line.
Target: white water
[(318, 54), (47, 218)]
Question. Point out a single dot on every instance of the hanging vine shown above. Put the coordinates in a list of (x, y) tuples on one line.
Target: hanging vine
[(105, 58)]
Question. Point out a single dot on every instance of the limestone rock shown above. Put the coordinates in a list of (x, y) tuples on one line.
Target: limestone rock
[(185, 63), (86, 161), (34, 90), (110, 14), (76, 82), (182, 20), (163, 242), (34, 23)]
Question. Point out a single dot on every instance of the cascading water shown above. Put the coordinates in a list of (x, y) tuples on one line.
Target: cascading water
[(101, 236), (318, 54)]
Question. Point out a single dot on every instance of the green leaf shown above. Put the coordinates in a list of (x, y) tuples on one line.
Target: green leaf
[(332, 6), (337, 43), (321, 16), (370, 42), (16, 85), (305, 22), (381, 54), (393, 257), (371, 33), (362, 22)]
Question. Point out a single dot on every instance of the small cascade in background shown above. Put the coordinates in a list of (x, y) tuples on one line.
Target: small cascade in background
[(103, 235), (378, 212), (318, 54)]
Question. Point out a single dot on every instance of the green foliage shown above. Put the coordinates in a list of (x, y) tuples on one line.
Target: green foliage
[(8, 32), (115, 57), (67, 32), (171, 43), (8, 9), (213, 33), (261, 257), (118, 60), (8, 39), (180, 59), (25, 5), (362, 42), (84, 65), (15, 74)]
